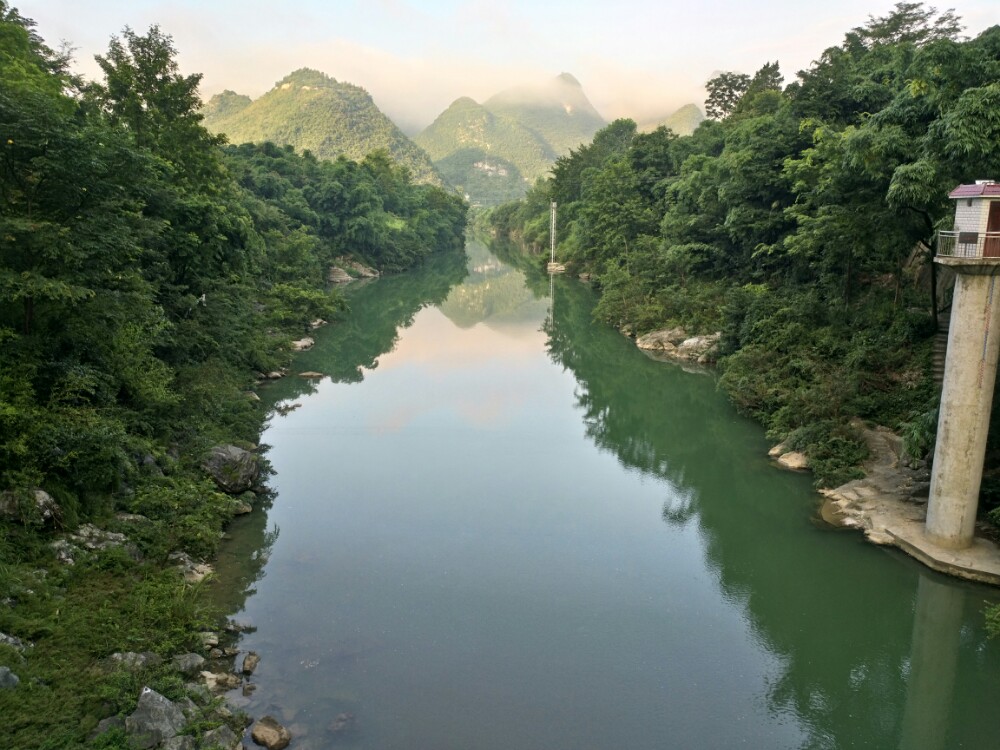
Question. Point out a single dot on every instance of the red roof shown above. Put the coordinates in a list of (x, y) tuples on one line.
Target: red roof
[(978, 190)]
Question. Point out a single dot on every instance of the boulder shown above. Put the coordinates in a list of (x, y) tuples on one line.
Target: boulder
[(303, 344), (270, 734), (192, 571), (359, 269), (8, 680), (221, 681), (250, 662), (154, 721), (37, 504), (794, 460), (338, 275), (777, 450), (233, 469), (311, 375), (188, 664), (665, 340), (106, 725), (700, 348), (180, 742), (64, 551), (318, 323), (223, 737)]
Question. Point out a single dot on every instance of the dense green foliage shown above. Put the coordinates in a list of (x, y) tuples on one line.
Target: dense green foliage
[(147, 274), (793, 224), (313, 112), (493, 151)]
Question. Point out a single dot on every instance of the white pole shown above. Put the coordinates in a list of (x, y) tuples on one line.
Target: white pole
[(552, 234)]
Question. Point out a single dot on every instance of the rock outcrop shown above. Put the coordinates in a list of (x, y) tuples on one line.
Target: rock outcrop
[(675, 343), (233, 469), (154, 721), (37, 505)]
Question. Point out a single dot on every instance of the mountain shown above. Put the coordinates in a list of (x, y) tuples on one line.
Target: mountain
[(310, 110), (494, 151), (682, 122), (558, 111)]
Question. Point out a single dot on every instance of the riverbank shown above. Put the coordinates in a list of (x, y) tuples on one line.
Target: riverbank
[(107, 623), (889, 503), (890, 506)]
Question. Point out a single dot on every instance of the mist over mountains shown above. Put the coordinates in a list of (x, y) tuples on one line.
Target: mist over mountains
[(491, 152)]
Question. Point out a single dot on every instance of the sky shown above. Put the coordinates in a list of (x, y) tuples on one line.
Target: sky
[(641, 59)]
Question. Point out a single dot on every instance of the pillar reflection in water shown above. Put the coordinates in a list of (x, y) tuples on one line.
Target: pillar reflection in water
[(937, 625)]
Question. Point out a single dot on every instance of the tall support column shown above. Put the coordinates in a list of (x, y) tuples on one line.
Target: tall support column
[(966, 400)]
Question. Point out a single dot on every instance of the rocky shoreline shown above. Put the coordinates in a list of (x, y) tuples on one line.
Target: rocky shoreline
[(889, 504)]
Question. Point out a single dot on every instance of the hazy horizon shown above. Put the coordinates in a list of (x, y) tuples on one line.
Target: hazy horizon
[(639, 59)]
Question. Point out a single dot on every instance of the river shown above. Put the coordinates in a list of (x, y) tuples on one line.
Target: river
[(497, 524)]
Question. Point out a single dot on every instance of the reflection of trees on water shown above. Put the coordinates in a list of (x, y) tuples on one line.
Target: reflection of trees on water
[(242, 559), (835, 612), (493, 292), (378, 311)]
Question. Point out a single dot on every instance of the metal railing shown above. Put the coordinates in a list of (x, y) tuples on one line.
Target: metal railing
[(969, 245)]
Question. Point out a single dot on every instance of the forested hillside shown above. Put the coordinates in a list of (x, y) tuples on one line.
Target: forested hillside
[(148, 274), (494, 151), (797, 222), (312, 111), (682, 122)]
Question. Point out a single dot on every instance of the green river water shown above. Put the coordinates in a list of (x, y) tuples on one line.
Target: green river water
[(498, 524)]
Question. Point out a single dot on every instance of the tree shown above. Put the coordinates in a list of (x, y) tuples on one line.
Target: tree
[(724, 93)]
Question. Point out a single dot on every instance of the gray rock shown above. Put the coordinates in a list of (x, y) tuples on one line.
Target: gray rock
[(188, 664), (233, 469), (35, 505), (8, 680), (191, 570), (180, 742), (223, 737), (303, 344), (14, 643), (106, 725), (94, 539), (65, 552), (154, 721), (134, 662), (240, 626)]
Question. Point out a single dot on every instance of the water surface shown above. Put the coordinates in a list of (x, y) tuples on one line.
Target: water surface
[(500, 525)]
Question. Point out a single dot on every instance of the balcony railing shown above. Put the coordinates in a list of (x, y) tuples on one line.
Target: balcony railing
[(969, 245)]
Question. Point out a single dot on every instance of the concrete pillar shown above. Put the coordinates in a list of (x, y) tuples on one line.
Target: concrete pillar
[(966, 400)]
